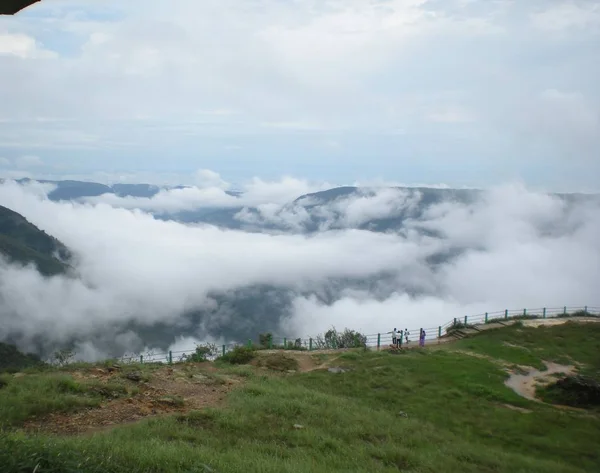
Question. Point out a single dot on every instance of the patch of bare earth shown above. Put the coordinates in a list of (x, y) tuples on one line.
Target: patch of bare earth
[(525, 384), (169, 390), (305, 361)]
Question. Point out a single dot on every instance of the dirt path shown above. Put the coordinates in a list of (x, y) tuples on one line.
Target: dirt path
[(526, 384)]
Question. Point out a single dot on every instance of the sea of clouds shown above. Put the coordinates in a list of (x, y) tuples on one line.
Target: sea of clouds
[(512, 248)]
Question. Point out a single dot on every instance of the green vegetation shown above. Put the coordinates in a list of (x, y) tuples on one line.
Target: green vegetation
[(24, 397), (24, 243), (565, 344), (12, 360), (240, 355), (428, 411), (278, 362), (575, 391)]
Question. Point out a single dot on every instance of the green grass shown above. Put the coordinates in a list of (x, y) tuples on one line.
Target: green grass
[(530, 346), (23, 398), (428, 411)]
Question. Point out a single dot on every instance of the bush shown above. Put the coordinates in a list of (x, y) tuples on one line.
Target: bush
[(204, 353), (459, 326), (240, 355), (265, 340), (346, 339)]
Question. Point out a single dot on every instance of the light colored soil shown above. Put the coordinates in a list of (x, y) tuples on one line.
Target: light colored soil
[(526, 384), (559, 321)]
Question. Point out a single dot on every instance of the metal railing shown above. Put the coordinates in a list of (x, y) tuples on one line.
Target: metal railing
[(373, 341)]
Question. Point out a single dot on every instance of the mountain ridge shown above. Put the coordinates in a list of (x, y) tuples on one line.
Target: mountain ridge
[(22, 242)]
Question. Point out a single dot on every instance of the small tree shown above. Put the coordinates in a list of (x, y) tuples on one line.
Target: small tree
[(265, 340), (63, 357), (204, 352), (346, 339)]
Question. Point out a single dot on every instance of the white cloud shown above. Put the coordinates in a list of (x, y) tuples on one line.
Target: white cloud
[(211, 191), (517, 249), (566, 15), (28, 161), (22, 46)]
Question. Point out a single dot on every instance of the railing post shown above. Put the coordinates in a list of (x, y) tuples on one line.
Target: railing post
[(141, 358), (524, 312), (378, 341), (565, 310), (249, 343), (544, 314), (505, 314), (440, 331), (270, 342), (585, 310), (465, 320), (223, 350), (310, 344), (454, 321), (486, 317), (285, 343), (170, 357)]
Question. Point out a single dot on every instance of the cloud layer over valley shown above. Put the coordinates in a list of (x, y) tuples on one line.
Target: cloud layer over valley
[(141, 281)]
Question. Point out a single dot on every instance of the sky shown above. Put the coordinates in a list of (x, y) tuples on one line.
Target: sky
[(454, 92)]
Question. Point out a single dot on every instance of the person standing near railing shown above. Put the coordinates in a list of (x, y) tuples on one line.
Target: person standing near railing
[(422, 338), (406, 334), (395, 335)]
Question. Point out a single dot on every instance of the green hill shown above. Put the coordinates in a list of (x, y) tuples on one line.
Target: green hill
[(12, 360), (23, 242), (446, 408)]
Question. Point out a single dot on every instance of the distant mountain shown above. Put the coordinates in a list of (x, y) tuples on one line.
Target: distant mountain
[(73, 190), (23, 242)]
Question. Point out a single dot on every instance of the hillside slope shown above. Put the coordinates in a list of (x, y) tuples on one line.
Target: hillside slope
[(441, 409), (23, 242)]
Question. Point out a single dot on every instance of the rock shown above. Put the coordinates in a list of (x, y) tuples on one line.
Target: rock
[(18, 375), (337, 369), (167, 400), (291, 371), (134, 376), (403, 414), (298, 426)]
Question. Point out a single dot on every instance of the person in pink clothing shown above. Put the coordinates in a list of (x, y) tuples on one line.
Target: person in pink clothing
[(422, 338)]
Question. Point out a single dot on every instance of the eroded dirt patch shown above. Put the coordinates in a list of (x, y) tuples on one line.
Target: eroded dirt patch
[(526, 383), (305, 361), (168, 390)]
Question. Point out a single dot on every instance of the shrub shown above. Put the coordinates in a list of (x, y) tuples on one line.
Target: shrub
[(204, 353), (346, 339), (240, 355), (265, 340), (63, 357)]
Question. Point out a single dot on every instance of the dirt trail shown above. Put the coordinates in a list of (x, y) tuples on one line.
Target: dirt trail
[(525, 384)]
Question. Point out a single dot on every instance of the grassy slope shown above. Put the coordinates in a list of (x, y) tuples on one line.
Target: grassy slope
[(352, 421)]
